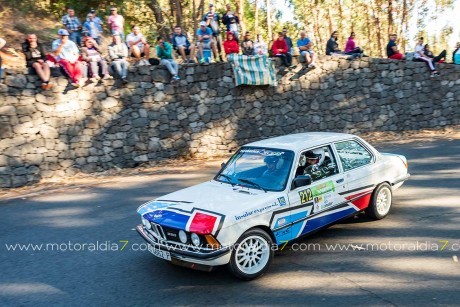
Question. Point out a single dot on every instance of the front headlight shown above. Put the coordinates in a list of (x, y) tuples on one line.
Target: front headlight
[(183, 236), (195, 239), (146, 223)]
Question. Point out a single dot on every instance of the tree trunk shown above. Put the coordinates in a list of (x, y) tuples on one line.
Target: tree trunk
[(390, 17), (241, 16), (269, 20), (161, 27), (376, 17), (256, 17)]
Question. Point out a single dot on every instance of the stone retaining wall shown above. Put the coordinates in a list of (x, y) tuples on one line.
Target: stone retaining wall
[(106, 125)]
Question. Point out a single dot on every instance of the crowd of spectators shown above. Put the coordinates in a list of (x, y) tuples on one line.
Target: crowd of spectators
[(78, 49)]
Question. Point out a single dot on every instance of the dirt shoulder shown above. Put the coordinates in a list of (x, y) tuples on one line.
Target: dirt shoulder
[(179, 166)]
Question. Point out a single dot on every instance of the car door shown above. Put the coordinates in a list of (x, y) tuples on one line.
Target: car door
[(358, 164), (313, 206)]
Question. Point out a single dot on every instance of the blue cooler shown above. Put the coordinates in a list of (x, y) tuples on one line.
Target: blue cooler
[(207, 55)]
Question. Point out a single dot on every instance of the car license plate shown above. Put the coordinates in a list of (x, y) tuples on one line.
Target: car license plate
[(159, 253)]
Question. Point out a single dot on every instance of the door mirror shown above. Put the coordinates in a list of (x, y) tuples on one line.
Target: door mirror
[(301, 181), (223, 165)]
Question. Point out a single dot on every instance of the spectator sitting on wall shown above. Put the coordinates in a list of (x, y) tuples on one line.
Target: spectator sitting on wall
[(66, 53), (36, 59), (2, 44), (260, 47), (231, 45), (420, 56), (138, 46), (332, 47), (212, 20), (350, 46), (231, 21), (92, 28), (73, 25), (392, 51), (204, 35), (441, 58), (456, 54), (92, 55), (164, 52), (280, 50), (116, 23), (247, 46), (118, 53), (306, 53), (288, 41), (182, 45)]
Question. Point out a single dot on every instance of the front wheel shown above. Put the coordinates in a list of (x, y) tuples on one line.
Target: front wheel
[(380, 203), (252, 254)]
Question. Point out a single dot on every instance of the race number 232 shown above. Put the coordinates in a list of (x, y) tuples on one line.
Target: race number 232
[(305, 196)]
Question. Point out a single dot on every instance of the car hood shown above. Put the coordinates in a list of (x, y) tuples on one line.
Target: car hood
[(206, 207)]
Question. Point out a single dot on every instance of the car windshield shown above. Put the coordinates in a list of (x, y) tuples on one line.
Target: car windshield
[(259, 168)]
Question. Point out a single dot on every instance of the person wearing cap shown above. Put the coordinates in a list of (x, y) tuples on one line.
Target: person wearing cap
[(205, 41), (67, 54), (138, 46), (118, 53), (96, 19), (116, 23), (92, 28), (164, 52), (73, 25), (36, 59), (212, 20)]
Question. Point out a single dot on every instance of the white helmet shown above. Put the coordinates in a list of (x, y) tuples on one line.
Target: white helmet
[(319, 152)]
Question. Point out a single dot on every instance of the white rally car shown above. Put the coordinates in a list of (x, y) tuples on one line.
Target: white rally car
[(271, 192)]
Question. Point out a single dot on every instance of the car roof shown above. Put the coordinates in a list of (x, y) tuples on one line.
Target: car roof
[(300, 141)]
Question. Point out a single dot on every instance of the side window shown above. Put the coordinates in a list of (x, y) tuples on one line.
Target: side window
[(353, 155), (319, 163)]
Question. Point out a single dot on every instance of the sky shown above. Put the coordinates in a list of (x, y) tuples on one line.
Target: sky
[(450, 17)]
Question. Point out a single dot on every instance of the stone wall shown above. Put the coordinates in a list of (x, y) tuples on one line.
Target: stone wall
[(106, 125)]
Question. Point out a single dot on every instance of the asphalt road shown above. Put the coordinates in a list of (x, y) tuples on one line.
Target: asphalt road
[(408, 269)]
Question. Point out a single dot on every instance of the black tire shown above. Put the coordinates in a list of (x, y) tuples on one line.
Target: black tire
[(237, 261), (376, 209)]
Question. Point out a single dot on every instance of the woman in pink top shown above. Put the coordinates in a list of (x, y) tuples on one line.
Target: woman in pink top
[(351, 47)]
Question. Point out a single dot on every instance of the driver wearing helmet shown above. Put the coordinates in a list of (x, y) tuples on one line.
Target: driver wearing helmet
[(318, 165), (271, 162)]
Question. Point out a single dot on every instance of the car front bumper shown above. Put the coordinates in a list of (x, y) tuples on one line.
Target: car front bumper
[(182, 256)]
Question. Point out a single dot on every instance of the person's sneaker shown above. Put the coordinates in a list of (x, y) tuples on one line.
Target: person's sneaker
[(202, 61), (292, 66), (75, 84), (49, 86), (176, 77), (107, 76), (146, 62), (191, 61), (139, 63), (124, 81), (97, 77), (44, 86), (311, 65)]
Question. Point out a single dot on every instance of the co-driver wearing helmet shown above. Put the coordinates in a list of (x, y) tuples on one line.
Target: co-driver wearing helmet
[(318, 165)]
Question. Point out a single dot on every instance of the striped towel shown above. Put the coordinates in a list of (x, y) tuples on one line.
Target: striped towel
[(253, 70)]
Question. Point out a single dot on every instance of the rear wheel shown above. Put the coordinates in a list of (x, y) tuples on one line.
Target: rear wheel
[(380, 203), (252, 254)]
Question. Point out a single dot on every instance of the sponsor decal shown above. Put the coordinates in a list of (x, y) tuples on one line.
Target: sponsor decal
[(263, 152), (281, 222), (316, 191), (282, 201), (256, 211)]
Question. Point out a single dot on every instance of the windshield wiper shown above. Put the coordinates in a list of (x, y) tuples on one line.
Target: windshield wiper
[(228, 178), (252, 183)]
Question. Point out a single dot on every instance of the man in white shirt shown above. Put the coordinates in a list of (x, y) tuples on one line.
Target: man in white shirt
[(138, 46), (420, 56)]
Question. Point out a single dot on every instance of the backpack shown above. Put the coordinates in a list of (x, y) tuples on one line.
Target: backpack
[(457, 58)]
